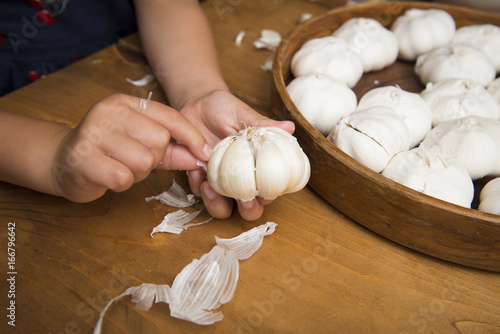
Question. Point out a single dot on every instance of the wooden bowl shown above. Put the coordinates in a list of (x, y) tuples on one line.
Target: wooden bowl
[(410, 218)]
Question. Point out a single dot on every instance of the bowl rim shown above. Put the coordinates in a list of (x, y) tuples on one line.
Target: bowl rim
[(351, 163)]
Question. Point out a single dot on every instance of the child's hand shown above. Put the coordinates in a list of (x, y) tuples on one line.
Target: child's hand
[(217, 115), (117, 145)]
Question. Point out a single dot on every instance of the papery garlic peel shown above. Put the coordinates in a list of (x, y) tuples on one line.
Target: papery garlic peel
[(258, 161)]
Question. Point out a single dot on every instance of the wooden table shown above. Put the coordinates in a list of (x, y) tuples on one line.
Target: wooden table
[(320, 272)]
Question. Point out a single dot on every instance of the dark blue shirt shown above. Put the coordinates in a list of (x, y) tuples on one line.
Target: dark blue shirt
[(38, 37)]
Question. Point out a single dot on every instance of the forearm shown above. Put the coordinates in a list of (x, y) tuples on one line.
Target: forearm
[(179, 46), (27, 148)]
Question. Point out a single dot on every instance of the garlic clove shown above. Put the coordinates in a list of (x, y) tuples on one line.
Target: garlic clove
[(411, 107), (371, 136), (328, 55), (322, 100), (456, 98), (233, 171), (376, 45), (474, 141), (431, 172), (454, 61)]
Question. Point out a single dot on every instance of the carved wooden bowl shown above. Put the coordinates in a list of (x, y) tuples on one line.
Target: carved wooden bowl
[(410, 218)]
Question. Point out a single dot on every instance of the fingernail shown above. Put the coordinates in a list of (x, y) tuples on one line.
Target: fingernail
[(207, 152), (196, 175), (209, 193), (247, 204)]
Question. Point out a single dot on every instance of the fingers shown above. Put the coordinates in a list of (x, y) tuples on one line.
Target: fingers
[(179, 127), (250, 210), (217, 206)]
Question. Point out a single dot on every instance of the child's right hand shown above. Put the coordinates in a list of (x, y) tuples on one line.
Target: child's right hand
[(117, 145)]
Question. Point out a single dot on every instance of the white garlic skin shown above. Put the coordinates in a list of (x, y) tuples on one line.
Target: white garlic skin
[(329, 55), (430, 172), (485, 37), (376, 45), (412, 109), (421, 30), (456, 98), (474, 141), (489, 198), (455, 61), (262, 161), (371, 136), (322, 100)]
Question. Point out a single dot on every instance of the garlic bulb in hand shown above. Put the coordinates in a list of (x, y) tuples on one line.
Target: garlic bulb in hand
[(485, 37), (371, 136), (263, 161), (489, 198), (330, 55), (376, 45), (322, 100), (456, 98), (474, 141), (455, 61), (429, 171), (421, 30), (412, 109)]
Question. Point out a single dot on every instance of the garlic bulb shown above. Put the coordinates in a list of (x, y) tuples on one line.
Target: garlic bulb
[(485, 37), (428, 171), (264, 161), (421, 30), (371, 136), (376, 45), (329, 55), (455, 98), (455, 61), (474, 141), (322, 100), (489, 198), (412, 109), (494, 88)]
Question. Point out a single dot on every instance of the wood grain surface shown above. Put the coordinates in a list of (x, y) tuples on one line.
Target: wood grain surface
[(320, 272)]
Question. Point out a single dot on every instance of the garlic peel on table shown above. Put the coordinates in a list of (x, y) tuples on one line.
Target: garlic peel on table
[(203, 285), (258, 161)]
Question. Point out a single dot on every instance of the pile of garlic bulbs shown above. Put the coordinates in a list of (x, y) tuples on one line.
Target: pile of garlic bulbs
[(437, 141)]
